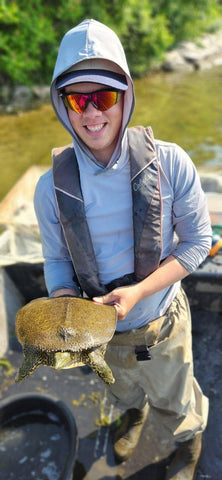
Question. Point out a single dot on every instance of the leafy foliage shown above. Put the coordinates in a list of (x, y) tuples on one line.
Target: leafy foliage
[(26, 40), (187, 19), (145, 37), (31, 31)]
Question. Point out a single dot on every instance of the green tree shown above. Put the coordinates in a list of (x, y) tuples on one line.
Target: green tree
[(187, 20), (31, 31), (145, 37)]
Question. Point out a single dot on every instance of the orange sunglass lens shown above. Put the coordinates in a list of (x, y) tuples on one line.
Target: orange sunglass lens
[(102, 100)]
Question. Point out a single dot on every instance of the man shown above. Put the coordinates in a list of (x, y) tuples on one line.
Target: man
[(123, 219)]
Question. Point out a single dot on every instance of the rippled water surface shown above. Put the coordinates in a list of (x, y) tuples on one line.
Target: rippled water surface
[(33, 447), (186, 109)]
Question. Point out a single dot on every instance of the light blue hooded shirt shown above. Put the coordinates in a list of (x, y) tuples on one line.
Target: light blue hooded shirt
[(186, 230)]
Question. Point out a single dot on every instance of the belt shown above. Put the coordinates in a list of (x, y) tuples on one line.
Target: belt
[(123, 281)]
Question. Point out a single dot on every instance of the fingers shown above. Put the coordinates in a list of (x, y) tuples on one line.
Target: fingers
[(111, 299), (98, 299), (120, 312)]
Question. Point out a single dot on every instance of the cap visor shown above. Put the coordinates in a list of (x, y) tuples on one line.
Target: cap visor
[(104, 77)]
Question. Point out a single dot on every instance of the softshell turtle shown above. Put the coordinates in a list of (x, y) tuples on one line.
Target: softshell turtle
[(65, 332)]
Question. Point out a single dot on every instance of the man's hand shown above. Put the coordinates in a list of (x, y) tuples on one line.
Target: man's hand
[(123, 299)]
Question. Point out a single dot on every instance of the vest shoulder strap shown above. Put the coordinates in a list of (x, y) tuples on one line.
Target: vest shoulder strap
[(73, 220), (145, 182)]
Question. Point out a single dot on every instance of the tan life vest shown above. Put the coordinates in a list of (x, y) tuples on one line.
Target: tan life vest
[(145, 183)]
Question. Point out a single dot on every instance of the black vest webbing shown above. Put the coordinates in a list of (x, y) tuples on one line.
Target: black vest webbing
[(145, 184)]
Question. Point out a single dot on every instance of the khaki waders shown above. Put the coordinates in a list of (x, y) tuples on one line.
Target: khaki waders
[(165, 381)]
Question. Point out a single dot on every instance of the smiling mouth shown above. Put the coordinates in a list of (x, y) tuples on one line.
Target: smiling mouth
[(95, 128)]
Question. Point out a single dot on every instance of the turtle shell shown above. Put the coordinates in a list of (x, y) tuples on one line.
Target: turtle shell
[(65, 324)]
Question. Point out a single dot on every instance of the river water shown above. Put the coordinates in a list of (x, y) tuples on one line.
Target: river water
[(181, 108)]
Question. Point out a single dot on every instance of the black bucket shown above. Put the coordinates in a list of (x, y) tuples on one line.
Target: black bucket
[(38, 438)]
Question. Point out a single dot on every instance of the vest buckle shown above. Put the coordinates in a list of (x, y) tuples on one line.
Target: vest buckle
[(142, 353)]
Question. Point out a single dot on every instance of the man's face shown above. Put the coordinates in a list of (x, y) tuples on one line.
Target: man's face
[(98, 130)]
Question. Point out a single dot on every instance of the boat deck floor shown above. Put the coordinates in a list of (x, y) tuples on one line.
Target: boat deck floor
[(84, 395)]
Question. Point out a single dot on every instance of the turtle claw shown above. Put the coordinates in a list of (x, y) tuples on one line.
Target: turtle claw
[(97, 363), (32, 360)]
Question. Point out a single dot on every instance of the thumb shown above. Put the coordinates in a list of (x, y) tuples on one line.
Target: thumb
[(111, 299), (104, 299)]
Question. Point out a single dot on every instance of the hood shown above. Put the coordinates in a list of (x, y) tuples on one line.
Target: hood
[(91, 42)]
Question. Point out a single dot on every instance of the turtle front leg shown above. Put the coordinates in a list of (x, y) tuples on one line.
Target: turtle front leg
[(32, 360), (94, 359)]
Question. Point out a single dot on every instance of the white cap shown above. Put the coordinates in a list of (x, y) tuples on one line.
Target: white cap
[(94, 71)]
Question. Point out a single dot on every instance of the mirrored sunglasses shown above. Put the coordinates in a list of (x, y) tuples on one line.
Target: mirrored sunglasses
[(102, 100)]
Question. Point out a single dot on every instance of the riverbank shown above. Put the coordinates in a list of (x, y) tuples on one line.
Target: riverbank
[(204, 53)]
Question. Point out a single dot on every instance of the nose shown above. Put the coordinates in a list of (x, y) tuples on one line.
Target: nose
[(90, 110)]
